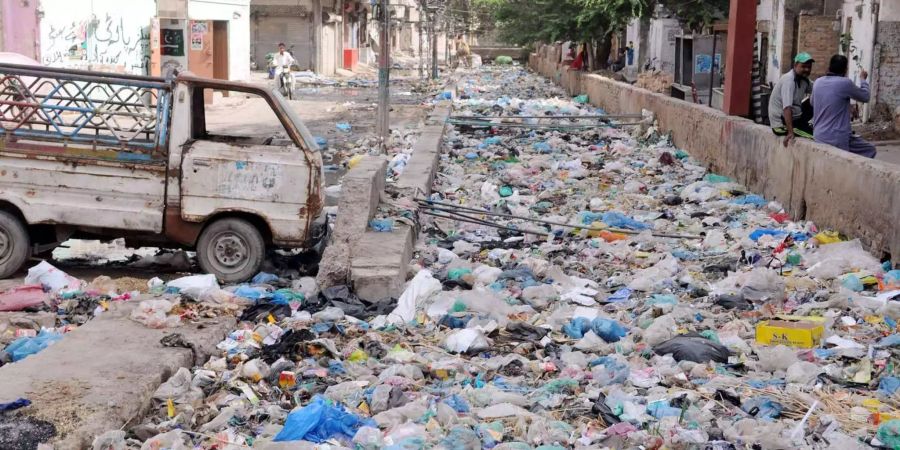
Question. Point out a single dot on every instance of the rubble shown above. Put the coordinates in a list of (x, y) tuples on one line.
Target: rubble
[(574, 286)]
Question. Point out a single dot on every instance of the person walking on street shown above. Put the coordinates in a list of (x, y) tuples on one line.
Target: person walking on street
[(787, 115), (831, 100)]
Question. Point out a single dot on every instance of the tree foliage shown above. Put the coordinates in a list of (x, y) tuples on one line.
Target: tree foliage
[(526, 21)]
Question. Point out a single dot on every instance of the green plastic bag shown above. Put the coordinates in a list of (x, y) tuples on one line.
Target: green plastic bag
[(889, 434)]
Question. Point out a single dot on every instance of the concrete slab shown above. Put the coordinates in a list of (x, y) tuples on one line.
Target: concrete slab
[(379, 264), (102, 375), (360, 195), (418, 177)]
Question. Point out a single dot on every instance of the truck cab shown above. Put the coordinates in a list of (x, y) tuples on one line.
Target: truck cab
[(98, 155)]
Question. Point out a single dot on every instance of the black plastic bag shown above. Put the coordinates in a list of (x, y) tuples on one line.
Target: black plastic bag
[(693, 347)]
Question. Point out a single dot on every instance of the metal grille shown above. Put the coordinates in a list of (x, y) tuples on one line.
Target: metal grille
[(94, 110)]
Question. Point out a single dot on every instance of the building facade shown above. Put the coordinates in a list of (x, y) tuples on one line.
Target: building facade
[(19, 21)]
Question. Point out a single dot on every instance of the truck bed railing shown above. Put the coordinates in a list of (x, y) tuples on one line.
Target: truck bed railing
[(85, 109)]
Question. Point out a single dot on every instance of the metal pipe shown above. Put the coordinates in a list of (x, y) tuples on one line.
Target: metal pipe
[(427, 203), (487, 224)]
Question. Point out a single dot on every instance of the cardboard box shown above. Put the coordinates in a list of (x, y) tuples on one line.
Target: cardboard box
[(793, 331)]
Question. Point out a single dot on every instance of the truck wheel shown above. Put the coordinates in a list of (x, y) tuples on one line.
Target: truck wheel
[(231, 249), (14, 244)]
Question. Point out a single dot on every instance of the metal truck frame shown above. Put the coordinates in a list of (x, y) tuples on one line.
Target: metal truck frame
[(99, 155)]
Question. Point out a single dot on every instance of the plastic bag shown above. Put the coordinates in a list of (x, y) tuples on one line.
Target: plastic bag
[(179, 388), (693, 347), (833, 260), (607, 329), (111, 440), (320, 421), (619, 220), (27, 346), (172, 440), (762, 407), (21, 297), (656, 276), (469, 340), (53, 279), (154, 314), (194, 285), (422, 287)]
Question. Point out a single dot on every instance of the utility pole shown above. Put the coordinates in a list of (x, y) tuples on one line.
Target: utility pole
[(421, 30), (432, 18), (383, 124)]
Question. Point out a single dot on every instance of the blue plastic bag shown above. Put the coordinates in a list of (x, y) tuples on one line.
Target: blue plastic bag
[(248, 292), (619, 220), (661, 408), (27, 346), (382, 225), (343, 126), (888, 385), (751, 200), (264, 278), (319, 421), (607, 329), (760, 232), (762, 408), (620, 296), (853, 283)]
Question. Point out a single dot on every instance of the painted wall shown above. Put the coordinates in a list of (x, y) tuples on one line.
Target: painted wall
[(862, 35), (237, 13), (662, 43), (107, 35), (18, 27)]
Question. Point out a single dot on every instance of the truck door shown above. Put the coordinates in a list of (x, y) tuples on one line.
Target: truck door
[(242, 159)]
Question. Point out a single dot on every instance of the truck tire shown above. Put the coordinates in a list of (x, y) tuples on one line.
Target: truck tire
[(15, 244), (231, 249)]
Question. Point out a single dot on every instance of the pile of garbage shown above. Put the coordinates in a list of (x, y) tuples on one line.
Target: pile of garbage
[(577, 284)]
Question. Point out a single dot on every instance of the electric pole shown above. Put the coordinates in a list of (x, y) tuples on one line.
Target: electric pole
[(432, 18), (384, 78)]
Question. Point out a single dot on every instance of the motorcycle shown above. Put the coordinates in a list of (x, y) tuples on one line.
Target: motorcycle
[(286, 82)]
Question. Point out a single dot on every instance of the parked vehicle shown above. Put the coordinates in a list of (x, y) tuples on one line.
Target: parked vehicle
[(99, 155)]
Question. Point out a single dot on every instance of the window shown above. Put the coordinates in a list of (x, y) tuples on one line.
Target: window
[(237, 118)]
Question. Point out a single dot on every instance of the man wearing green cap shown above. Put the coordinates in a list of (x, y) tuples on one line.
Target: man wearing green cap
[(788, 116)]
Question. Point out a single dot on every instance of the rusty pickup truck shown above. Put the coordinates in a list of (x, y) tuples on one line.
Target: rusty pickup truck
[(101, 156)]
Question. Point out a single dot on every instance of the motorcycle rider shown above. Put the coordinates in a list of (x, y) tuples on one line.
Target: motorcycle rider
[(281, 60)]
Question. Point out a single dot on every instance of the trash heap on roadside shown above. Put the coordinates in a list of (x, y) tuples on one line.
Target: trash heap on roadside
[(579, 283)]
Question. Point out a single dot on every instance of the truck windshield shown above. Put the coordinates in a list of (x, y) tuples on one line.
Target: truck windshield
[(308, 138)]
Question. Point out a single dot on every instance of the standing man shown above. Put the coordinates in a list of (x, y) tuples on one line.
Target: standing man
[(831, 98), (787, 115), (463, 52)]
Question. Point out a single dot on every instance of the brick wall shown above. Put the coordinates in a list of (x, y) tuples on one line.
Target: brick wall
[(889, 64), (816, 35)]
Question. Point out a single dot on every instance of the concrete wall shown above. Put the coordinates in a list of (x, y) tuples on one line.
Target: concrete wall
[(108, 35), (237, 14), (888, 73), (662, 43), (832, 188)]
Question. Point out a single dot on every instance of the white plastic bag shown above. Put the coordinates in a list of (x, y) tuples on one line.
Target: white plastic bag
[(154, 314), (466, 340), (51, 278), (423, 286), (194, 285)]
